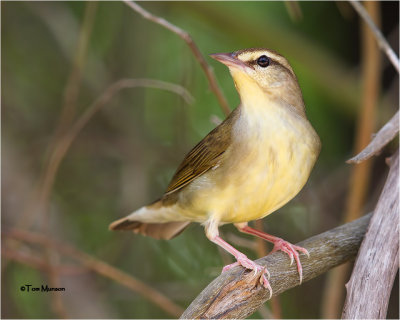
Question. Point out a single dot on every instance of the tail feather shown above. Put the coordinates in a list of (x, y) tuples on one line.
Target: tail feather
[(156, 220), (124, 224), (167, 230)]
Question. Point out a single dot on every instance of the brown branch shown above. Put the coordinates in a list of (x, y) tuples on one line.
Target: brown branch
[(99, 267), (369, 288), (383, 44), (208, 70), (381, 139), (34, 261), (237, 292)]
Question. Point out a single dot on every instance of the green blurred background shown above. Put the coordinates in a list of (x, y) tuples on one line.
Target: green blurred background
[(127, 153)]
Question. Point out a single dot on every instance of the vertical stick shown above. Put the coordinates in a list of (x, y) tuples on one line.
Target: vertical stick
[(360, 176), (369, 288)]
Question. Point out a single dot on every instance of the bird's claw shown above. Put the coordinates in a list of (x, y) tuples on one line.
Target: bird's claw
[(251, 265), (291, 251)]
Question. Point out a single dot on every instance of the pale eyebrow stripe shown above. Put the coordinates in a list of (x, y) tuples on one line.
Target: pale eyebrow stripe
[(273, 56)]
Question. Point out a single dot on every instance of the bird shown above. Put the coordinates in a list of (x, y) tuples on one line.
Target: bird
[(249, 166)]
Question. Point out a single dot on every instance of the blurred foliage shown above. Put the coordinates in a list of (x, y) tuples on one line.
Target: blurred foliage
[(128, 152)]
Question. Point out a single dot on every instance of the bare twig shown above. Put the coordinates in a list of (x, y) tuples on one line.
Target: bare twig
[(371, 75), (99, 267), (193, 47), (103, 100), (237, 292), (39, 263), (334, 292), (67, 115), (369, 288), (381, 139), (383, 44), (73, 85), (294, 10), (66, 140)]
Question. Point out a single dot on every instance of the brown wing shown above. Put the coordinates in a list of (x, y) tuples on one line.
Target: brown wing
[(205, 155)]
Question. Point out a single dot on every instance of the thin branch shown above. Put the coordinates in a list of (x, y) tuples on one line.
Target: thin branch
[(382, 42), (34, 261), (70, 136), (371, 75), (115, 88), (237, 293), (99, 267), (71, 93), (294, 10), (381, 139), (193, 47), (359, 182), (369, 288), (65, 141)]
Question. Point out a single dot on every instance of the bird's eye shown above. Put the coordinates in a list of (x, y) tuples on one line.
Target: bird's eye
[(263, 61)]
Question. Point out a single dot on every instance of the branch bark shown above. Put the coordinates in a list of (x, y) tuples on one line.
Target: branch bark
[(237, 292), (377, 262), (381, 139)]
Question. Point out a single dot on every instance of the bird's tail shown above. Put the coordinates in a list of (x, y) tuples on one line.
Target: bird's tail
[(152, 221)]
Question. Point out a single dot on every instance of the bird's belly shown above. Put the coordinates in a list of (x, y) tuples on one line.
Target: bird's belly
[(254, 185), (268, 185)]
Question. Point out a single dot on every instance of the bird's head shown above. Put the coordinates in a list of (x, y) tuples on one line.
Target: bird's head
[(259, 72)]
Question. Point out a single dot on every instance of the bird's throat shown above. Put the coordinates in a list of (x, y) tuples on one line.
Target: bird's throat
[(252, 96), (255, 98)]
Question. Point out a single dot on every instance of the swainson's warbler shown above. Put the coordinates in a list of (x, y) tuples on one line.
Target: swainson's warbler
[(252, 164)]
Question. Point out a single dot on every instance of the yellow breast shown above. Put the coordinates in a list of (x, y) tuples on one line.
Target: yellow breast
[(269, 161)]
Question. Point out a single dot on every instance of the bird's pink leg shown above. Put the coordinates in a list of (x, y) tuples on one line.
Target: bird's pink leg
[(212, 234), (243, 261), (279, 244)]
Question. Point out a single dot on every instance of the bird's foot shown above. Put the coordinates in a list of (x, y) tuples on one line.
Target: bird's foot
[(243, 261), (291, 250)]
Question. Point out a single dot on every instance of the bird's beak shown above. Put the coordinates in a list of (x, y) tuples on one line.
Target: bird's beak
[(230, 61)]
